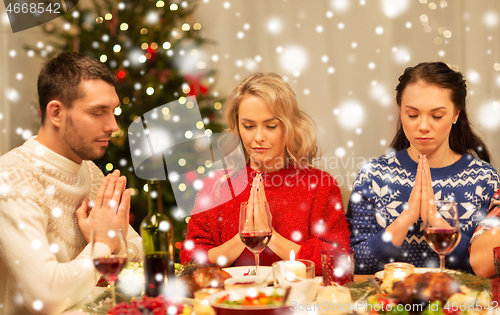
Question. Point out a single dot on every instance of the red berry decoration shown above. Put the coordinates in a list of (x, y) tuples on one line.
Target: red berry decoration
[(147, 305)]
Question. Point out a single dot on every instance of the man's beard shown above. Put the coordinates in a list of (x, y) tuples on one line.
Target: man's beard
[(76, 143)]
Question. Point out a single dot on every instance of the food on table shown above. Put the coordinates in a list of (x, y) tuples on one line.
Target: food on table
[(208, 277), (383, 304), (469, 303), (260, 298), (425, 287), (433, 294), (245, 282), (131, 279), (148, 305), (196, 278)]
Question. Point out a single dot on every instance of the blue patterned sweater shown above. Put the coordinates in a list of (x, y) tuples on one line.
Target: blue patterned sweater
[(380, 193)]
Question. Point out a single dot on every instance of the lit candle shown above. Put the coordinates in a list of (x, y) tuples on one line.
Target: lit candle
[(394, 272), (398, 274), (294, 268)]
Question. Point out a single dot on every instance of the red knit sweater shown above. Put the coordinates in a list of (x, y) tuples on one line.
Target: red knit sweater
[(306, 207)]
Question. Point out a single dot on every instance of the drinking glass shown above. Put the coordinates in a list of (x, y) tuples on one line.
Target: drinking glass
[(255, 228), (337, 265), (496, 260), (110, 266), (442, 230)]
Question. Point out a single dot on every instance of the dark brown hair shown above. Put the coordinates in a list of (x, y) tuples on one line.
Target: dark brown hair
[(462, 138), (60, 78)]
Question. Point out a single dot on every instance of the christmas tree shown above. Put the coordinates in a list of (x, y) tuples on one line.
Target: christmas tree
[(153, 47)]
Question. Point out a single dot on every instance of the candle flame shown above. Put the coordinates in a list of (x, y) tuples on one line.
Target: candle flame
[(398, 274), (292, 255)]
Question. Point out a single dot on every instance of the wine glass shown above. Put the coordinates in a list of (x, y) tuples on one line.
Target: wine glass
[(255, 228), (110, 266), (443, 229)]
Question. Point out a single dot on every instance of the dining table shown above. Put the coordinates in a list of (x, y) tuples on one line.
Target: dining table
[(358, 288), (78, 309)]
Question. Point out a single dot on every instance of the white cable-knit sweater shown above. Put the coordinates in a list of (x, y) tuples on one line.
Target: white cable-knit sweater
[(45, 264)]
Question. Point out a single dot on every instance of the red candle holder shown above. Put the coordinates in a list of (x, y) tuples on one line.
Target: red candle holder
[(337, 266), (496, 259)]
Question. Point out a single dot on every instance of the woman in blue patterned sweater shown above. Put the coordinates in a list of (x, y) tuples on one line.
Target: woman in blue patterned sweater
[(436, 156)]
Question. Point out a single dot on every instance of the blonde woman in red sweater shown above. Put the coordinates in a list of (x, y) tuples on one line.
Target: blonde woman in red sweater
[(279, 141)]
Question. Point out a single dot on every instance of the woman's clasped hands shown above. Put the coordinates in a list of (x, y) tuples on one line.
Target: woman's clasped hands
[(257, 218), (421, 204)]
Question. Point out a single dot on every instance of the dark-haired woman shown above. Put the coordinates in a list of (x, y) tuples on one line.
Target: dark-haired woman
[(436, 156)]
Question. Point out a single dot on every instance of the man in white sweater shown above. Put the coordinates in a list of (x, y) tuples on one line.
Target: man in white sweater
[(45, 187)]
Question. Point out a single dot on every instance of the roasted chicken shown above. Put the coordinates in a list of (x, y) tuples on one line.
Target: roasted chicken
[(198, 278), (425, 287)]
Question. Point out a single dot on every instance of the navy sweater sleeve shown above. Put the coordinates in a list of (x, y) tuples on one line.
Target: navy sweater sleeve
[(371, 244)]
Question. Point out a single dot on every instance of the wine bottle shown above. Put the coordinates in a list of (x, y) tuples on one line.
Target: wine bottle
[(157, 235)]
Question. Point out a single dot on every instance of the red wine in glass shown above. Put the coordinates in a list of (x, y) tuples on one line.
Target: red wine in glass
[(443, 228), (255, 228), (256, 241), (110, 267), (442, 240)]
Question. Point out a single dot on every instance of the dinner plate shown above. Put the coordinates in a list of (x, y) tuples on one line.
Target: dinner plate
[(242, 270), (380, 274)]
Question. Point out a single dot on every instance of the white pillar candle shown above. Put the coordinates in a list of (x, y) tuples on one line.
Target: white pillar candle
[(293, 267)]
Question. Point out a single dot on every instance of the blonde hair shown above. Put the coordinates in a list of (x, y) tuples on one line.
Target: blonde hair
[(300, 131)]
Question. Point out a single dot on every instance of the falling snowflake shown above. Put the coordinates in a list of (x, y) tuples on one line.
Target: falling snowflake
[(350, 114), (54, 248), (340, 152), (394, 8), (50, 190), (296, 236), (13, 95), (111, 233), (386, 237), (222, 260), (356, 197), (36, 244), (159, 277), (340, 5), (473, 76), (320, 227), (490, 19), (489, 115), (164, 226), (172, 310), (293, 58), (56, 212), (188, 245)]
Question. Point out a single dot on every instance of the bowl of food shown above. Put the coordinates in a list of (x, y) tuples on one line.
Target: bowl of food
[(245, 282), (250, 301)]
